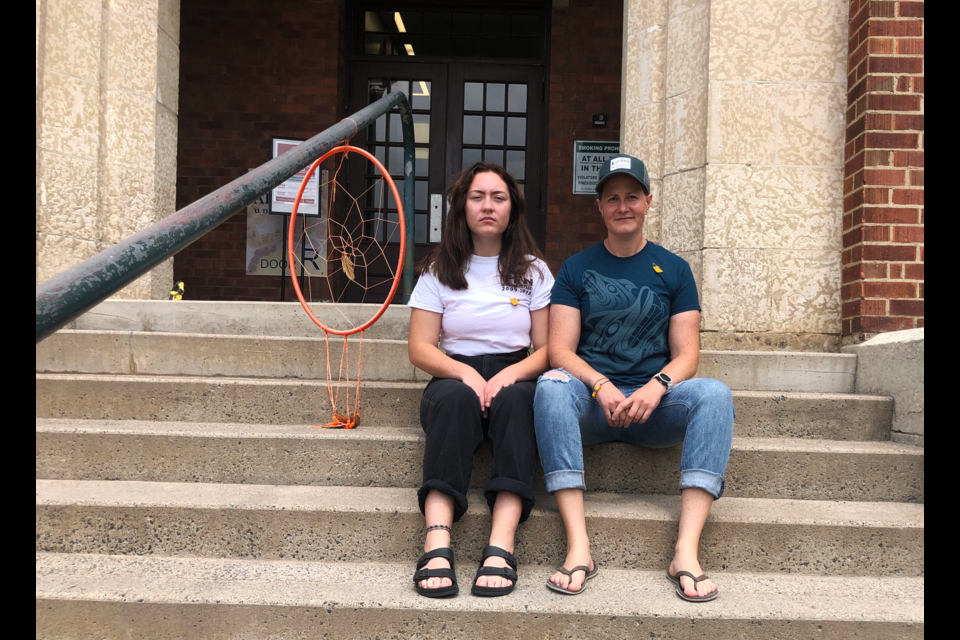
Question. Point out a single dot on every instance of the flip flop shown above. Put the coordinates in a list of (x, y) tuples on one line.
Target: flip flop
[(676, 580), (570, 572)]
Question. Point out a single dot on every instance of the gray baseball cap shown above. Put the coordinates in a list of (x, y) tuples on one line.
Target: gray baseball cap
[(624, 164)]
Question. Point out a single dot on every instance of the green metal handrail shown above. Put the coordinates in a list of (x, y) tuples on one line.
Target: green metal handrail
[(69, 294)]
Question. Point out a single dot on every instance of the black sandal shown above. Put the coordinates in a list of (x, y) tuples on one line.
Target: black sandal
[(510, 573), (422, 574)]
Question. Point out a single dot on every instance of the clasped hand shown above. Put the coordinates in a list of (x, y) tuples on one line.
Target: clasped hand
[(486, 390), (621, 411)]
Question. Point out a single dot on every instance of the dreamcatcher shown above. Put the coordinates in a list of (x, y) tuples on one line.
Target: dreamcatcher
[(354, 245)]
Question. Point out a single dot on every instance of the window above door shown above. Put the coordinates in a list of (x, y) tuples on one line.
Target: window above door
[(451, 30)]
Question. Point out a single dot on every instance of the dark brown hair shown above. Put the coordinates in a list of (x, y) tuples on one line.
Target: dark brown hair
[(448, 260)]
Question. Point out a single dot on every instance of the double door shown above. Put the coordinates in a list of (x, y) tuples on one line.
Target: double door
[(462, 113)]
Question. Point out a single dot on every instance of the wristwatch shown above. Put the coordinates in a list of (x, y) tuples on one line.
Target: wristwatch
[(665, 380)]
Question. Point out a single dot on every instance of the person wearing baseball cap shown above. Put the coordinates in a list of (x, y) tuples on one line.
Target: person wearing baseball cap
[(624, 338)]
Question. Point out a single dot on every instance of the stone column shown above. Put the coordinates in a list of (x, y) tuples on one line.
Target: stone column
[(750, 155), (106, 131)]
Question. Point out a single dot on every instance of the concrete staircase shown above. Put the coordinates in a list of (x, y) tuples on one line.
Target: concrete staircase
[(181, 493)]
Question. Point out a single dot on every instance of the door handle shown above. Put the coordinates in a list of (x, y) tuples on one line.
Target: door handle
[(436, 216)]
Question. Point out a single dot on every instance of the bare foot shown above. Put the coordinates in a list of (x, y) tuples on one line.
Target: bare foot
[(687, 562), (575, 557), (494, 581)]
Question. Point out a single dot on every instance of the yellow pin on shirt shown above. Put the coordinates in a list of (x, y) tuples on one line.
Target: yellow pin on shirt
[(514, 301), (657, 269)]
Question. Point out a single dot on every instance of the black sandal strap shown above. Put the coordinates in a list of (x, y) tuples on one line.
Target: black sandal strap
[(503, 572), (491, 550), (443, 552), (687, 574), (423, 574)]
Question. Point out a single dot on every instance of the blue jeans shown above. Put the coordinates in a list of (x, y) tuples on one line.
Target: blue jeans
[(697, 413)]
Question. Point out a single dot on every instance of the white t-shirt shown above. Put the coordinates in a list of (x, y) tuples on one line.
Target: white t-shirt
[(481, 319)]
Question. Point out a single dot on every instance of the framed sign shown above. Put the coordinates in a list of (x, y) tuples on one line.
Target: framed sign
[(588, 158), (283, 196)]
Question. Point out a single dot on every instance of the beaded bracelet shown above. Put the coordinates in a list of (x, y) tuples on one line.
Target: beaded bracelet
[(596, 387)]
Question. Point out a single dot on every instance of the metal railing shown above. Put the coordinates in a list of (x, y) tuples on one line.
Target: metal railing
[(69, 294)]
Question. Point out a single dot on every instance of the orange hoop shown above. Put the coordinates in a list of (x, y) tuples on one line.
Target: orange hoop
[(291, 257)]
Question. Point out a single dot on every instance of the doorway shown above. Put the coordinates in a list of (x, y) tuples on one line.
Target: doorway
[(487, 103)]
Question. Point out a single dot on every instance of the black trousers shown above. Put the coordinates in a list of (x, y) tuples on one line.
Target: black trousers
[(455, 428)]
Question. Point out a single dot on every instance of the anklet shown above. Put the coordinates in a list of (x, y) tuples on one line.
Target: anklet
[(438, 527)]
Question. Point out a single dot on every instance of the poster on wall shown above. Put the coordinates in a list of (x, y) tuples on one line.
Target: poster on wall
[(283, 196), (588, 158), (265, 241)]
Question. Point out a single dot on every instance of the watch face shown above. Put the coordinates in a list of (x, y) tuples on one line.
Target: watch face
[(664, 377)]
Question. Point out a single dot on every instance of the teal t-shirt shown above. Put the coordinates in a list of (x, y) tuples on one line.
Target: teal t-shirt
[(625, 307)]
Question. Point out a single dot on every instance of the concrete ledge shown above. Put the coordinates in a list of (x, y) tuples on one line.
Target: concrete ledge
[(239, 318), (267, 356), (396, 404), (391, 457), (891, 364), (376, 524), (84, 596)]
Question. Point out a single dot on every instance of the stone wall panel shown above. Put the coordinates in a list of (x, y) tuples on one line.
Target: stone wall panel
[(131, 130), (643, 137), (127, 202), (72, 40), (68, 201), (168, 18), (650, 64), (679, 6), (773, 207), (652, 225), (682, 229), (685, 131), (778, 40), (811, 124), (742, 125), (166, 146), (771, 290), (132, 55), (71, 115), (56, 253), (687, 50), (168, 72)]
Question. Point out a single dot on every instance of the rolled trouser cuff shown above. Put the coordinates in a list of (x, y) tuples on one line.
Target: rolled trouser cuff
[(709, 481), (459, 500), (516, 487), (564, 479)]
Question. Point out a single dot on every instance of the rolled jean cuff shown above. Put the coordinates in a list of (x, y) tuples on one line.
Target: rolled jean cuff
[(459, 500), (519, 489), (709, 481), (565, 479)]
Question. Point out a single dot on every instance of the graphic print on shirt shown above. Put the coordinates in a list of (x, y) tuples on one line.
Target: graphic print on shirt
[(626, 323)]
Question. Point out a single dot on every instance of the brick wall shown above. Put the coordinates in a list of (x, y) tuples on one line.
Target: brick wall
[(883, 218), (249, 70), (586, 53)]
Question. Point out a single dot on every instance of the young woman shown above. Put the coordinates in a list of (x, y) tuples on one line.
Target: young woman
[(483, 295), (624, 336)]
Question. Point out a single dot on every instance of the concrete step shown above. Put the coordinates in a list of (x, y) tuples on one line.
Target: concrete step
[(763, 414), (391, 457), (240, 318), (152, 353), (97, 596), (377, 524)]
